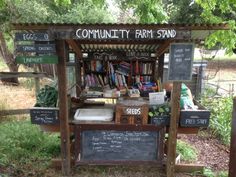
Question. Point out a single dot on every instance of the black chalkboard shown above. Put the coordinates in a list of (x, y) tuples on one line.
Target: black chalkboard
[(194, 118), (180, 62), (39, 48), (119, 145), (32, 37), (43, 115), (161, 120)]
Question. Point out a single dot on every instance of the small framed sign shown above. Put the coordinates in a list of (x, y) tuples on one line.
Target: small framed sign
[(181, 62), (157, 98)]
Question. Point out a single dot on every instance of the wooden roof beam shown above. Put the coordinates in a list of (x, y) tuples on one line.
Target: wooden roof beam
[(75, 47), (163, 47)]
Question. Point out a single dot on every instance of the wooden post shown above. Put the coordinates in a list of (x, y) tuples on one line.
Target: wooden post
[(63, 111), (161, 67), (78, 75), (37, 83), (172, 138), (232, 161), (37, 86)]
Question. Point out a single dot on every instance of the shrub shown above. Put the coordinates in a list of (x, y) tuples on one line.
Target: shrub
[(221, 116), (24, 144), (186, 151)]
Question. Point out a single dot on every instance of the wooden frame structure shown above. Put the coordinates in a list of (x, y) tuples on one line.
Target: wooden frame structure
[(155, 38)]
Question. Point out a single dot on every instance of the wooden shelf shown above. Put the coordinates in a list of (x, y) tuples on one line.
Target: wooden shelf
[(56, 128)]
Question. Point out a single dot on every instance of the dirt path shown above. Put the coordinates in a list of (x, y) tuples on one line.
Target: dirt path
[(211, 152)]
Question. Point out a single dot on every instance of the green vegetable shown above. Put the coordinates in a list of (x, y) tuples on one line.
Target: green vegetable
[(159, 110), (47, 97)]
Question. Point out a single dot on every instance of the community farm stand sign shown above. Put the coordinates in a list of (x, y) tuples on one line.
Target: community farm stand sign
[(125, 34)]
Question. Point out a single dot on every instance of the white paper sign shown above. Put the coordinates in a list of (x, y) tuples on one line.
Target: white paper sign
[(157, 98)]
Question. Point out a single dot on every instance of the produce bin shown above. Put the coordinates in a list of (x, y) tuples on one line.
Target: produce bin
[(195, 118)]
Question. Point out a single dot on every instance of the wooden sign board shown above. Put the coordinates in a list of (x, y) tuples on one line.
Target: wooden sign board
[(45, 59), (194, 118), (33, 37), (161, 120), (42, 115), (39, 48), (108, 145), (132, 111), (119, 55), (126, 34), (180, 62)]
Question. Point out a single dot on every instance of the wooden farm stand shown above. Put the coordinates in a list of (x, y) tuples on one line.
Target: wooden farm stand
[(132, 43)]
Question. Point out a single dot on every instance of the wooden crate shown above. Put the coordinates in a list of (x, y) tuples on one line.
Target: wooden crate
[(195, 118), (131, 112)]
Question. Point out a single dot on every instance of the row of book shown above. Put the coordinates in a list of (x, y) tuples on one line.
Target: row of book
[(117, 74), (93, 80), (140, 79), (94, 65), (142, 68), (123, 67)]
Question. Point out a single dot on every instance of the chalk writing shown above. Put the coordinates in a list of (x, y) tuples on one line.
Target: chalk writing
[(125, 33), (119, 145)]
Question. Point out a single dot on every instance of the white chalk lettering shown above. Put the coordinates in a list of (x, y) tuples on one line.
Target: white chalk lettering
[(123, 33), (163, 33)]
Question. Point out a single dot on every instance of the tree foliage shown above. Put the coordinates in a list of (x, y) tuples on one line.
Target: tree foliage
[(146, 11), (189, 11), (184, 11), (44, 11), (217, 11)]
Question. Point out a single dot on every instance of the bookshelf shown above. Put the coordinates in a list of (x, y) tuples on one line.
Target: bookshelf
[(118, 72)]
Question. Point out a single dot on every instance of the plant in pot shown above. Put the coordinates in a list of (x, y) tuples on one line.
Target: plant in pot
[(160, 114)]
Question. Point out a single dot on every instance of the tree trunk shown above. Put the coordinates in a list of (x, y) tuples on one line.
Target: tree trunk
[(8, 57)]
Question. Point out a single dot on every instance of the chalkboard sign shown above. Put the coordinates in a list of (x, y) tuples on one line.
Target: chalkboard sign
[(47, 59), (42, 115), (180, 62), (39, 48), (161, 120), (194, 118), (32, 37), (115, 145)]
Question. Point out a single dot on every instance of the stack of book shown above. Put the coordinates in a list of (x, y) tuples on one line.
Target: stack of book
[(123, 68), (118, 74)]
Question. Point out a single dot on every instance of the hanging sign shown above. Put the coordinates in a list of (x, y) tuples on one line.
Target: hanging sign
[(120, 55), (180, 62), (32, 37), (39, 48), (84, 33), (45, 59)]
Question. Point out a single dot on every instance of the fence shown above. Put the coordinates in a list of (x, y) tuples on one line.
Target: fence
[(37, 76)]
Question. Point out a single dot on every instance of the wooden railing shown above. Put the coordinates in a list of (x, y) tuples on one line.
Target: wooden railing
[(36, 75)]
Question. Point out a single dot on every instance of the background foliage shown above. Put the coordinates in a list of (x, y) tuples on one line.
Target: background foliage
[(24, 146), (221, 116)]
